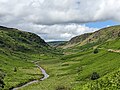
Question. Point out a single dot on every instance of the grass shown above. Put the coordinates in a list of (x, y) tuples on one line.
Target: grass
[(1, 79), (108, 82), (18, 50), (114, 44), (71, 71), (58, 77), (74, 71), (26, 70)]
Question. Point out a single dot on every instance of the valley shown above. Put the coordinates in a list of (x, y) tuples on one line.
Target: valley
[(86, 62)]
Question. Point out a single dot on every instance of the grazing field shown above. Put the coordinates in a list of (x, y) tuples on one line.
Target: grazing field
[(73, 72), (18, 70)]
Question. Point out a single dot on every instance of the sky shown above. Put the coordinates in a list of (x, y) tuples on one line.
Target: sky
[(59, 20)]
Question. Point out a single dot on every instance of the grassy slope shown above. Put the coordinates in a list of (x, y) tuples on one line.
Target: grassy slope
[(108, 82), (98, 37), (16, 40), (17, 51), (114, 44), (73, 70), (70, 71), (26, 70)]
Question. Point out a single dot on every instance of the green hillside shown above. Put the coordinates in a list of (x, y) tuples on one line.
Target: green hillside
[(79, 39), (108, 82), (17, 40), (73, 72), (18, 50), (98, 37), (76, 68), (92, 62)]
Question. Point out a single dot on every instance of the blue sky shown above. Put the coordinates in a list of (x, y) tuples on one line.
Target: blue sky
[(102, 24)]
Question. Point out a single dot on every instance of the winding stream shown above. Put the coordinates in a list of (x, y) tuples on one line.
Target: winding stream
[(35, 81)]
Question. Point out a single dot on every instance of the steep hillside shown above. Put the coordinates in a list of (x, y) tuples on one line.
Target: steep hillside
[(98, 37), (79, 39), (108, 82), (18, 51), (17, 40)]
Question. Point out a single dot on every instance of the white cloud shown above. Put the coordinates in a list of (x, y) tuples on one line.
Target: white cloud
[(60, 11), (57, 32), (42, 16)]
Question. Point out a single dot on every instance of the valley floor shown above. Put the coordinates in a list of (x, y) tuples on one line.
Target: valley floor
[(45, 76), (66, 72), (73, 72)]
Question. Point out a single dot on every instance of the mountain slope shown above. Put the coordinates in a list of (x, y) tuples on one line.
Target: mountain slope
[(74, 69), (98, 37), (18, 51), (16, 40), (71, 71), (79, 39), (108, 82)]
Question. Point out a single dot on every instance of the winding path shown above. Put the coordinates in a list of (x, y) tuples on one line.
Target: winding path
[(35, 81)]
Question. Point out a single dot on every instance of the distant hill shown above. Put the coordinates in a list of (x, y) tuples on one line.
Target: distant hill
[(98, 37), (56, 43), (16, 40)]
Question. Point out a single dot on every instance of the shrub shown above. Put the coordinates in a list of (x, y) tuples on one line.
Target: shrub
[(95, 76), (1, 83), (95, 51), (62, 88), (15, 69), (108, 82)]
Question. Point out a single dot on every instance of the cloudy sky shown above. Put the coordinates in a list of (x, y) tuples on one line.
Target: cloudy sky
[(59, 19)]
